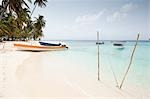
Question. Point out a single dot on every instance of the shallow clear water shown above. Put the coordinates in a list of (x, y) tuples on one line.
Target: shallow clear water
[(84, 53)]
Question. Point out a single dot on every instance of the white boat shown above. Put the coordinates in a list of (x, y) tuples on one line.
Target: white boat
[(37, 47)]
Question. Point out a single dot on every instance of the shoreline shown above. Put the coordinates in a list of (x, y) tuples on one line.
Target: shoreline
[(66, 85), (74, 85), (36, 75)]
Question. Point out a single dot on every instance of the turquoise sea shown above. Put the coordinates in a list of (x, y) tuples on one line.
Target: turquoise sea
[(84, 53)]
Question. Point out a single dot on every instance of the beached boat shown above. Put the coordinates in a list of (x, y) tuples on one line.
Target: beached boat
[(118, 45), (30, 47)]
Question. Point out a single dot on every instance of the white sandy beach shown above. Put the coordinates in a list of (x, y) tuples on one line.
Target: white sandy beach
[(26, 75)]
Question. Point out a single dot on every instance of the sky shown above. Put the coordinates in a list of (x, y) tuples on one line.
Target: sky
[(81, 19)]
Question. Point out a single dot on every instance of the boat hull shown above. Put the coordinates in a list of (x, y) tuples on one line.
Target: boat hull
[(119, 47), (26, 47)]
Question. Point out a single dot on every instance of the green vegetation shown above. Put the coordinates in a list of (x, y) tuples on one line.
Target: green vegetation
[(16, 22)]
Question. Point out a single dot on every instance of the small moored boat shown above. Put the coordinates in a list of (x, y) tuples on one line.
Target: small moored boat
[(99, 43), (118, 45)]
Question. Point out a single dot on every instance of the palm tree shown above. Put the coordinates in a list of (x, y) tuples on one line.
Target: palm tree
[(16, 23), (38, 25), (12, 6), (8, 26), (40, 3), (13, 27)]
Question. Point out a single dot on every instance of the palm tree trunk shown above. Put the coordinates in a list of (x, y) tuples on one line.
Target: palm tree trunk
[(33, 10)]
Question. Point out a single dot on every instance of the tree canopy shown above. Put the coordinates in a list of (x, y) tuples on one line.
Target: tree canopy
[(16, 22)]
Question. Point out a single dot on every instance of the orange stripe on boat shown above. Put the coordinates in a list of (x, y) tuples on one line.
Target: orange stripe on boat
[(35, 46)]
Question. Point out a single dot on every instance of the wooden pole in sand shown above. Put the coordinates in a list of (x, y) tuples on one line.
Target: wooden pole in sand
[(98, 55), (130, 62)]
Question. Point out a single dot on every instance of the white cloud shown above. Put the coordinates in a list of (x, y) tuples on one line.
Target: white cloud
[(122, 13), (128, 8), (84, 25), (89, 19), (116, 16)]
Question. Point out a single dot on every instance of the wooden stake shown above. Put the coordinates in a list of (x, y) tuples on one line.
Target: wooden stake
[(98, 55), (130, 62)]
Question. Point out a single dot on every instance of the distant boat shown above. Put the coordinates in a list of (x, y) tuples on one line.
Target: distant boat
[(99, 43), (30, 47), (118, 45)]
